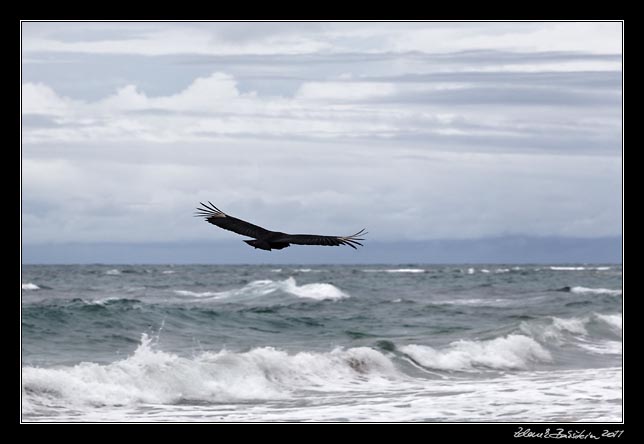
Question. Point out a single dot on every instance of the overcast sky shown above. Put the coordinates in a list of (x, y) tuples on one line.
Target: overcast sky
[(416, 131)]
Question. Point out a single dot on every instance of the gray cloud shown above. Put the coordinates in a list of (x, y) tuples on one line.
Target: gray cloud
[(510, 95), (38, 121), (356, 126), (610, 80)]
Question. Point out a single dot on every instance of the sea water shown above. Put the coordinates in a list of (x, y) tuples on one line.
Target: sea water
[(469, 343)]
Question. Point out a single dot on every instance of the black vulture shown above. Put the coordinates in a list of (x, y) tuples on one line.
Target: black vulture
[(271, 240)]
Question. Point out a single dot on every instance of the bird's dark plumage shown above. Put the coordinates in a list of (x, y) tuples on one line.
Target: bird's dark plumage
[(271, 240)]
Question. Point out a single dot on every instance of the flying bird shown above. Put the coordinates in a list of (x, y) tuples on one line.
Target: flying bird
[(271, 240)]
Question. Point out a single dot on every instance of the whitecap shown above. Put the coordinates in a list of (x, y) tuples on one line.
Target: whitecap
[(405, 270), (151, 376), (473, 301), (583, 290), (603, 347), (556, 329), (510, 352), (578, 331), (613, 320), (575, 326), (394, 270), (318, 291), (197, 294), (30, 286)]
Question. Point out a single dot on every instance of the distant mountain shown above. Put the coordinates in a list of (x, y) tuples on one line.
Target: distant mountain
[(511, 249)]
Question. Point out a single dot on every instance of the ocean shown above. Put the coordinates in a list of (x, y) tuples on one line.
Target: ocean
[(386, 343)]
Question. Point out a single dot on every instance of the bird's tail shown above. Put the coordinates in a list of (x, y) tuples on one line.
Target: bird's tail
[(262, 245)]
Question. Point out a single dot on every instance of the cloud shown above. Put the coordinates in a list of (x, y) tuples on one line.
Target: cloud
[(154, 39), (209, 107), (361, 124), (590, 37), (203, 94), (344, 91), (151, 41), (484, 114), (39, 99), (105, 196)]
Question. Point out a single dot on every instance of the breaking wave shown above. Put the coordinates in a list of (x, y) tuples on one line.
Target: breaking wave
[(586, 290), (597, 333), (157, 377), (613, 320), (29, 286), (395, 270), (317, 291), (511, 352)]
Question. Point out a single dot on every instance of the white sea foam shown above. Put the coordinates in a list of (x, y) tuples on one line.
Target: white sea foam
[(582, 290), (613, 320), (603, 347), (30, 286), (151, 376), (473, 301), (584, 395), (394, 270), (556, 329), (101, 301), (199, 294), (510, 352), (471, 271), (318, 291), (405, 270), (581, 332), (113, 272), (355, 384), (575, 326), (168, 272)]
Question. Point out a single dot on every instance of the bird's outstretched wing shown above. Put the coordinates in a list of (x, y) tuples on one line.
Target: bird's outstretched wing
[(315, 239), (217, 217)]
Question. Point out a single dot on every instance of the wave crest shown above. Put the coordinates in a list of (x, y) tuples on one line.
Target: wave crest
[(596, 333), (586, 290), (613, 320), (153, 376), (395, 270), (317, 291), (30, 286), (511, 352)]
